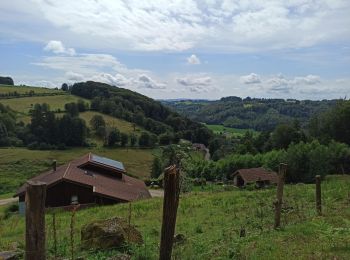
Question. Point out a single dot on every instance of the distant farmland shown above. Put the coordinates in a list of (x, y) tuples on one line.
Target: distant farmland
[(220, 129)]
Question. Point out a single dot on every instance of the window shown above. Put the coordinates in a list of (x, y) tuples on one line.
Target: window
[(74, 200)]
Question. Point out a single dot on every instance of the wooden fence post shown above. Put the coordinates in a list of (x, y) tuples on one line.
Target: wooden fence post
[(170, 204), (278, 203), (35, 220), (318, 195)]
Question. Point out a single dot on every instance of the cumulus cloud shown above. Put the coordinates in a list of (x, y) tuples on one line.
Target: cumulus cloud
[(280, 83), (117, 80), (196, 84), (57, 47), (72, 76), (145, 81), (193, 59), (252, 78), (308, 80)]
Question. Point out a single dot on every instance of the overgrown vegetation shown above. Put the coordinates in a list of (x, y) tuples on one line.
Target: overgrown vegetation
[(211, 223)]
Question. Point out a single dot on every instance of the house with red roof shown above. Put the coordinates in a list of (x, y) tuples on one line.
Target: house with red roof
[(91, 179)]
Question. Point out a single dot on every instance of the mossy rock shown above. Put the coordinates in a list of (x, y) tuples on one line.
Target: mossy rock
[(109, 233)]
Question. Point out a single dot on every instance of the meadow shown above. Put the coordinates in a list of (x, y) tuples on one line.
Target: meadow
[(113, 122), (5, 89), (19, 164), (211, 222), (220, 129), (24, 104)]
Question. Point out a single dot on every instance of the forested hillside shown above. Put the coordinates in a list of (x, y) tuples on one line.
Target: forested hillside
[(253, 113), (141, 110)]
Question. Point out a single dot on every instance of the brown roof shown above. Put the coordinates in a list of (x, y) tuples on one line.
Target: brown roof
[(256, 174), (125, 188)]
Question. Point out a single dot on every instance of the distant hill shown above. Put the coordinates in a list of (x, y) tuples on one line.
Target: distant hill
[(141, 110), (250, 113)]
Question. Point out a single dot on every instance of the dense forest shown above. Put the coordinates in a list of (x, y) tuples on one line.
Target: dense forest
[(254, 113), (141, 110), (321, 147)]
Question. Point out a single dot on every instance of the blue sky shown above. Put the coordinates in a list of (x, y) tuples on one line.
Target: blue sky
[(181, 49)]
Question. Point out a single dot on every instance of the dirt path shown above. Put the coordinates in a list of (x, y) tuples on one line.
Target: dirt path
[(156, 193), (7, 201)]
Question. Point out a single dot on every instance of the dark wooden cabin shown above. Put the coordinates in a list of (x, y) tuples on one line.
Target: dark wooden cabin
[(90, 179)]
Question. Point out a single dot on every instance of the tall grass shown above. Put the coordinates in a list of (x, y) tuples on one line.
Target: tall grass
[(212, 222)]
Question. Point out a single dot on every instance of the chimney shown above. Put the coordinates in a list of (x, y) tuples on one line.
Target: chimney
[(54, 165)]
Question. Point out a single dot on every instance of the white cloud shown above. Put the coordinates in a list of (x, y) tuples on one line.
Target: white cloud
[(196, 84), (252, 78), (57, 47), (280, 83), (145, 81), (193, 59), (117, 80), (307, 80), (87, 63), (72, 76), (243, 25)]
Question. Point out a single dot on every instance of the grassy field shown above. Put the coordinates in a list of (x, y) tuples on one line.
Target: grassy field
[(211, 223), (26, 89), (19, 164), (217, 129), (122, 125), (23, 105)]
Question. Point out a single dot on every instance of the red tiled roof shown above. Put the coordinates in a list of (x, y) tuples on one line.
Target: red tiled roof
[(256, 174), (125, 188)]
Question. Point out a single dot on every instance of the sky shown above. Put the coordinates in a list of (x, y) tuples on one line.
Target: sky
[(204, 49)]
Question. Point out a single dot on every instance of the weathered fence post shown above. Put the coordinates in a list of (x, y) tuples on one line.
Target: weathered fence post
[(170, 204), (35, 220), (278, 203), (318, 195)]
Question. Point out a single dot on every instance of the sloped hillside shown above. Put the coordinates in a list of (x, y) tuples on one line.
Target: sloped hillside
[(139, 109)]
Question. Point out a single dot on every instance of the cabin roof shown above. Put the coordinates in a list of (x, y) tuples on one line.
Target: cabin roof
[(256, 174), (125, 188), (106, 162)]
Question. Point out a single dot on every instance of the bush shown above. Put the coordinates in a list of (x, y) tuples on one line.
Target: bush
[(305, 160)]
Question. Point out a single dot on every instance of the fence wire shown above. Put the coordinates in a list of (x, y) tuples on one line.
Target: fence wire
[(63, 234)]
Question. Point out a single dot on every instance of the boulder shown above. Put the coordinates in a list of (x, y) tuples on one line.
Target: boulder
[(109, 233)]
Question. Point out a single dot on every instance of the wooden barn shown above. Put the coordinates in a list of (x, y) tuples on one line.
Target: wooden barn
[(90, 179), (259, 176)]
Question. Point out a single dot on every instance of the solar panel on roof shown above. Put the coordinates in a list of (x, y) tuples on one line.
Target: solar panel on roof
[(108, 162)]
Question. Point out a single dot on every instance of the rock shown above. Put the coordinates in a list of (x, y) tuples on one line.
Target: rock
[(109, 233), (10, 255)]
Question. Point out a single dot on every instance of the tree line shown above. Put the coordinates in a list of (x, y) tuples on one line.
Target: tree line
[(141, 110), (51, 130), (320, 148), (251, 113)]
